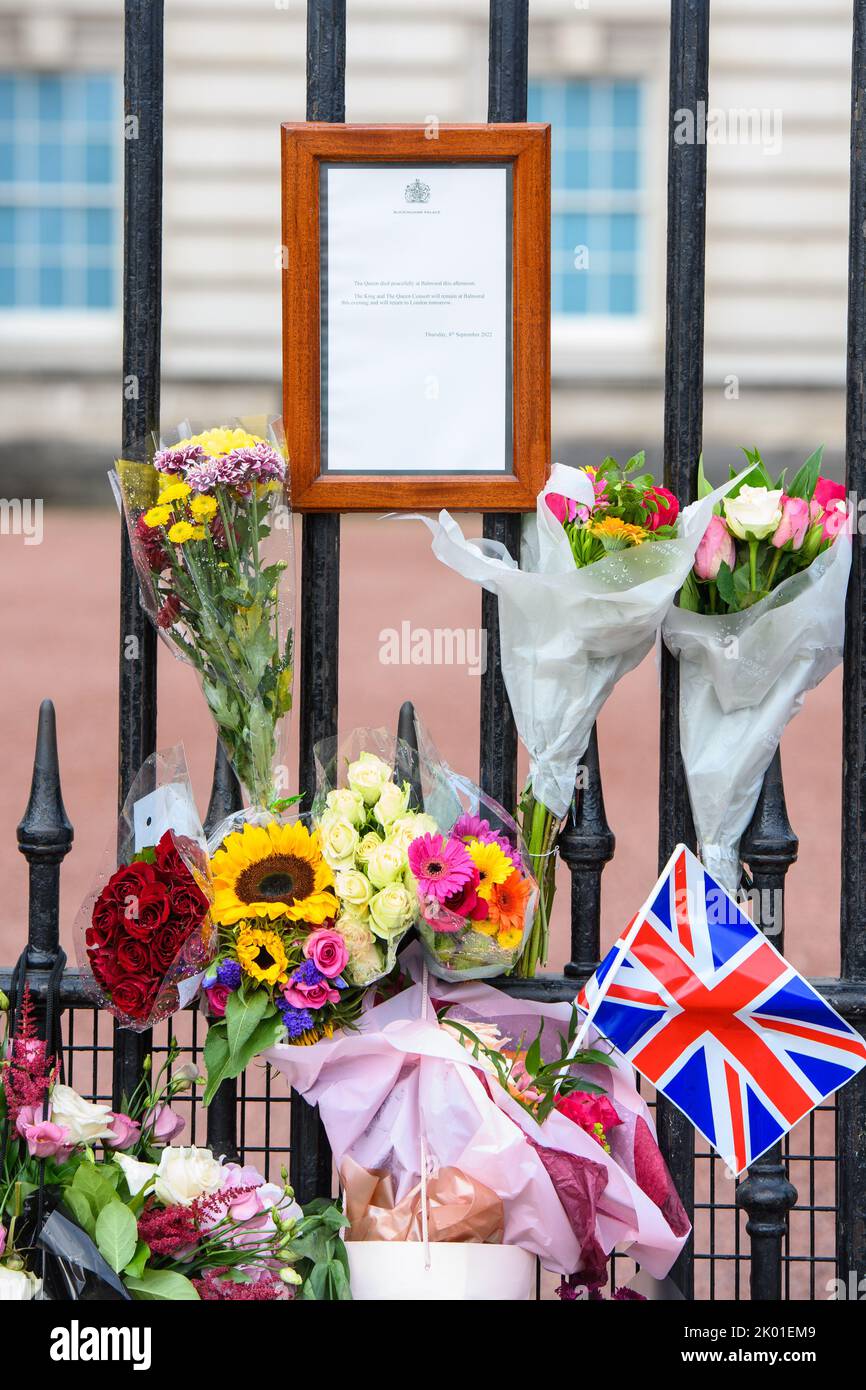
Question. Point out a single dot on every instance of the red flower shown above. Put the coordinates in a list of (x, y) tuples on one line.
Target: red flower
[(588, 1110), (169, 860), (29, 1072), (134, 996), (188, 905), (125, 886), (133, 956), (169, 612), (668, 508), (167, 1229), (148, 543), (149, 912), (165, 945)]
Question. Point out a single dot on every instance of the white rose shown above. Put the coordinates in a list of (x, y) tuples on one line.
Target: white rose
[(186, 1173), (407, 828), (392, 910), (17, 1286), (366, 845), (354, 890), (85, 1121), (365, 958), (137, 1174), (347, 805), (393, 802), (386, 864), (368, 776), (754, 512), (338, 840), (354, 930)]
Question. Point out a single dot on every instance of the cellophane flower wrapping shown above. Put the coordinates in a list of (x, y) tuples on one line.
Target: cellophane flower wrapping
[(743, 677), (366, 813), (144, 935), (478, 930), (404, 1090), (210, 529)]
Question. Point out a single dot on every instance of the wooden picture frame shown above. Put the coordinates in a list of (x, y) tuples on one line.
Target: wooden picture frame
[(523, 150)]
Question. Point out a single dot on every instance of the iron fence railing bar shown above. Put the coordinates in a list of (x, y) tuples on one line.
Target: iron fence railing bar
[(683, 415), (851, 1107), (222, 1113), (320, 580), (142, 298), (506, 101), (586, 845)]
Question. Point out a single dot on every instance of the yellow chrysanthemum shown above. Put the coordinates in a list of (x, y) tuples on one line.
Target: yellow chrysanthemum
[(486, 927), (182, 531), (220, 441), (272, 871), (173, 492), (262, 955), (203, 508), (617, 529), (493, 866), (157, 516)]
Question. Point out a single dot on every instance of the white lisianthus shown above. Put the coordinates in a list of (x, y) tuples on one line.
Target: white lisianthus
[(354, 890), (18, 1286), (754, 513), (183, 1174), (366, 845), (393, 802), (407, 828), (137, 1174), (86, 1121), (338, 840), (385, 864), (368, 776), (347, 805), (391, 910)]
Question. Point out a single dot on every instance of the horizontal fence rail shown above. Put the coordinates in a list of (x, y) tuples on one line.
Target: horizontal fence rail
[(799, 1216)]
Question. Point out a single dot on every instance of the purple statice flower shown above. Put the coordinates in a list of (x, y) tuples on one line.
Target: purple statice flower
[(229, 974), (260, 462), (297, 1021), (307, 974), (174, 460)]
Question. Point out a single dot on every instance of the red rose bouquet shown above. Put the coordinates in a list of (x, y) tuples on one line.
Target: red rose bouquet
[(145, 936)]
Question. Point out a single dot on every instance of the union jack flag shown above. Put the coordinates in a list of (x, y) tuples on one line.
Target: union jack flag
[(708, 1010)]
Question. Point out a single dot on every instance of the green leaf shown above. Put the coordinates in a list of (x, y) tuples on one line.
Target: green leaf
[(222, 1063), (138, 1261), (216, 1056), (805, 479), (593, 1057), (690, 594), (533, 1055), (79, 1209), (157, 1285), (725, 584), (704, 487), (91, 1184), (116, 1235)]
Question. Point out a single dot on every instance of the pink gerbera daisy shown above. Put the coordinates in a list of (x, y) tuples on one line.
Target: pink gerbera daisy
[(441, 866)]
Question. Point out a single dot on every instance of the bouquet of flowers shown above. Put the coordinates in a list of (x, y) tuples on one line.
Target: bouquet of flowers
[(144, 934), (600, 567), (145, 1220), (210, 532), (488, 1090), (760, 620)]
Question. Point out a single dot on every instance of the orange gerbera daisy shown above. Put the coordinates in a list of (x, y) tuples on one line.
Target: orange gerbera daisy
[(507, 902)]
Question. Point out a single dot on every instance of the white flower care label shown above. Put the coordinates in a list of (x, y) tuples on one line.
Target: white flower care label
[(167, 808)]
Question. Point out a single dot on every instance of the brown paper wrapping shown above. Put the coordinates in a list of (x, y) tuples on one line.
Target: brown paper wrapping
[(459, 1208)]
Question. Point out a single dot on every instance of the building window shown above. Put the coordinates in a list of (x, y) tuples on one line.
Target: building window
[(597, 197), (59, 191)]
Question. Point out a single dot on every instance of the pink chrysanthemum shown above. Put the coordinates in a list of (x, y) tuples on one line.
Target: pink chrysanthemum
[(441, 866), (468, 828), (178, 460), (261, 462)]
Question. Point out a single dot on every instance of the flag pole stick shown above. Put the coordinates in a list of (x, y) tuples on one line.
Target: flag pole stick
[(622, 950)]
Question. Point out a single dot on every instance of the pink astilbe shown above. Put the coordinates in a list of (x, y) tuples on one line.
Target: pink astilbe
[(167, 1230), (213, 1288), (208, 1211), (28, 1073)]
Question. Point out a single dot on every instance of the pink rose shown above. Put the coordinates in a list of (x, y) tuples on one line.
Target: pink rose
[(834, 520), (826, 492), (165, 1125), (588, 1111), (796, 518), (668, 508), (124, 1131), (563, 508), (304, 996), (328, 952), (46, 1140), (716, 546), (217, 995), (2, 1238)]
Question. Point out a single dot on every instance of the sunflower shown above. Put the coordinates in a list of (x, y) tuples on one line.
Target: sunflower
[(493, 866), (262, 955), (272, 871)]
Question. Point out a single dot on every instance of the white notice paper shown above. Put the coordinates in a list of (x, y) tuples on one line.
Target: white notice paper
[(416, 318)]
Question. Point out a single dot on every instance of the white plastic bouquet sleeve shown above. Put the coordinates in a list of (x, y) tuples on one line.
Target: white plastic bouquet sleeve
[(743, 677), (567, 635)]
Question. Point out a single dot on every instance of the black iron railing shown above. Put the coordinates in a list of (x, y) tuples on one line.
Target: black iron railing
[(799, 1217)]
